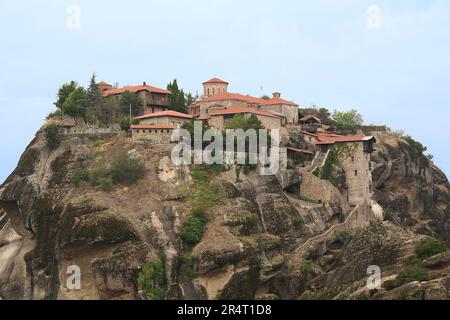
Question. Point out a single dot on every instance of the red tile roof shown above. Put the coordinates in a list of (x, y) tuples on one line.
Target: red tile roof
[(276, 101), (248, 99), (136, 89), (169, 113), (215, 80), (236, 110), (103, 83), (330, 138), (145, 126), (234, 96)]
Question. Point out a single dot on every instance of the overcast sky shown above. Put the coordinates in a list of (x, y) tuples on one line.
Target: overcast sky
[(388, 59)]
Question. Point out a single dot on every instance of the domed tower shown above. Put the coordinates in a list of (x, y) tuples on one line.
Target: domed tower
[(214, 87)]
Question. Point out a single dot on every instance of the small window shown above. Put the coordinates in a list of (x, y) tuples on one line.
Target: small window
[(137, 131), (143, 131), (353, 159), (356, 173)]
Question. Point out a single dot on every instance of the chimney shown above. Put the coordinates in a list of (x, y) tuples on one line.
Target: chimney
[(144, 83), (276, 95)]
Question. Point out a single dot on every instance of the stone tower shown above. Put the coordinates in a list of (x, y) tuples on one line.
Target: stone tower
[(214, 87)]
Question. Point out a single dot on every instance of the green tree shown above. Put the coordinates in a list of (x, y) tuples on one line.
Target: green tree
[(189, 99), (64, 91), (153, 280), (75, 105), (242, 122), (347, 120), (53, 136), (130, 98), (177, 100), (94, 102)]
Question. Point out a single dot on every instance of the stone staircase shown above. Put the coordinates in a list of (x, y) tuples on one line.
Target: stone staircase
[(319, 160)]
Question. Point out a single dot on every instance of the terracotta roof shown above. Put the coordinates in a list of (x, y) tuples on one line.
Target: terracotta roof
[(324, 138), (276, 101), (236, 110), (169, 113), (248, 99), (311, 116), (145, 126), (215, 80), (103, 83), (136, 89), (234, 96)]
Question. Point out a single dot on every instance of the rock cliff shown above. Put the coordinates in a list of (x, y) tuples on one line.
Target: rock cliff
[(261, 240)]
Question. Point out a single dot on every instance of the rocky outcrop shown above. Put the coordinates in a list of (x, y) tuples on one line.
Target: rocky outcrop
[(263, 239)]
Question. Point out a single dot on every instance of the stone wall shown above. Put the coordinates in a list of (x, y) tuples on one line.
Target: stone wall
[(154, 136), (165, 121), (205, 106), (218, 121), (313, 188), (288, 111)]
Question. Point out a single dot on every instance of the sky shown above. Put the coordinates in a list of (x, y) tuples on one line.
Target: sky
[(388, 59)]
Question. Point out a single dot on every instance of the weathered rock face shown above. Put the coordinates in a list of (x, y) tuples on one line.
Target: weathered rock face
[(413, 192), (260, 241)]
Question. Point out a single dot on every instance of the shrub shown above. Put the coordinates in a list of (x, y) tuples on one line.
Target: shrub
[(54, 114), (187, 267), (105, 184), (406, 275), (79, 175), (97, 173), (53, 136), (126, 170), (98, 143), (343, 236), (192, 229), (307, 267), (415, 147), (430, 248), (153, 280), (181, 191)]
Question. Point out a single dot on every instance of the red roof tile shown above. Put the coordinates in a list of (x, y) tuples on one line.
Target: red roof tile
[(145, 126), (169, 113), (276, 101), (103, 83), (215, 80), (234, 96), (136, 89), (236, 110)]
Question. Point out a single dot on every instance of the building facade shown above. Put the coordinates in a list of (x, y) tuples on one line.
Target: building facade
[(154, 99), (165, 118), (219, 118), (216, 96)]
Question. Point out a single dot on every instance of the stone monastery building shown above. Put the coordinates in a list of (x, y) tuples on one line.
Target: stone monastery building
[(216, 97)]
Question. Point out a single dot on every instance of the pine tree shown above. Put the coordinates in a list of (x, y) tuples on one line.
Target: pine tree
[(177, 100)]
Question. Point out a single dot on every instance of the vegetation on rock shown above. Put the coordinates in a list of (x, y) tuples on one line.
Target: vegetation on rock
[(153, 280), (53, 136), (192, 229)]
